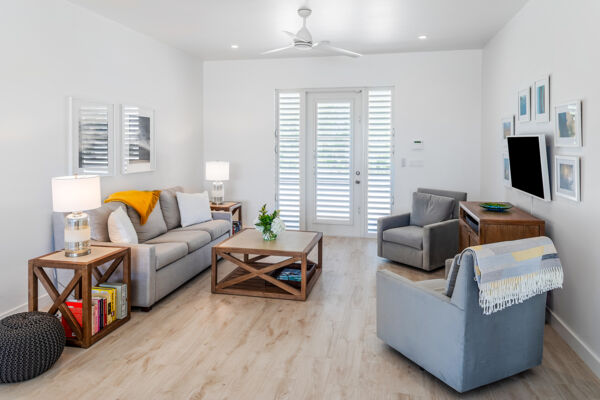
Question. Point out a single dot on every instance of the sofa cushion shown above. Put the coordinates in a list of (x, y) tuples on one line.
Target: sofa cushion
[(99, 220), (169, 252), (120, 228), (216, 227), (429, 209), (169, 207), (194, 208), (154, 226), (411, 236), (193, 239)]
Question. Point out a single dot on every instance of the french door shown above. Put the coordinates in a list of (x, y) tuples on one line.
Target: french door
[(334, 159), (334, 188)]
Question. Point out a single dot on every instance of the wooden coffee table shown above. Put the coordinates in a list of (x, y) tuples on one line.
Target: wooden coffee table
[(254, 278)]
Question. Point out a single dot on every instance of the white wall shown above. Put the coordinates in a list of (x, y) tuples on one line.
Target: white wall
[(560, 38), (52, 49), (438, 99)]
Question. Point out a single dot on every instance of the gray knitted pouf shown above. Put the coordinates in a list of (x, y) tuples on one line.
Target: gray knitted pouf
[(30, 343)]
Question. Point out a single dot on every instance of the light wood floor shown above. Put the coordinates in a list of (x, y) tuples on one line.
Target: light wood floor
[(196, 345)]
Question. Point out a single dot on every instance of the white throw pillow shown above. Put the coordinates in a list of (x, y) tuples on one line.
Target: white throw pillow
[(120, 228), (194, 208)]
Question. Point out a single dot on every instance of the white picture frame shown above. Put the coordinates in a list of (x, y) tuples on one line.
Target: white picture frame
[(506, 169), (138, 139), (567, 175), (567, 124), (91, 137), (541, 97), (507, 127), (524, 105)]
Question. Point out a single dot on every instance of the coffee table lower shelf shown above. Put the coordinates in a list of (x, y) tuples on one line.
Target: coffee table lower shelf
[(257, 287)]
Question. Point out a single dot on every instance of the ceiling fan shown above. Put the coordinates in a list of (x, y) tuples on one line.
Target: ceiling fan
[(302, 40)]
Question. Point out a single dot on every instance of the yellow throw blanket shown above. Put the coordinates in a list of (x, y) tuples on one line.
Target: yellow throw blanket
[(141, 201)]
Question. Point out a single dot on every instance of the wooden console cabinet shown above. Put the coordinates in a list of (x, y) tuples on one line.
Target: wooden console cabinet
[(479, 226)]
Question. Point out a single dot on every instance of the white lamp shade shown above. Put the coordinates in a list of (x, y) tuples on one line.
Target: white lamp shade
[(75, 193), (217, 171)]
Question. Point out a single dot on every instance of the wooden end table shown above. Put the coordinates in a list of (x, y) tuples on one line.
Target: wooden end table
[(83, 268), (253, 278), (234, 207)]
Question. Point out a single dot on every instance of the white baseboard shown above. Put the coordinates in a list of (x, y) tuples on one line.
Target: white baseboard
[(583, 350), (44, 303)]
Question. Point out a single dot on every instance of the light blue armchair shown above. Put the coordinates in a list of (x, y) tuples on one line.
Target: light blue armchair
[(450, 337)]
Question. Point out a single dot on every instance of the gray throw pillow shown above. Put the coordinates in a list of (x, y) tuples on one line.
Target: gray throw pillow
[(169, 207), (99, 220), (429, 209), (451, 280), (154, 226)]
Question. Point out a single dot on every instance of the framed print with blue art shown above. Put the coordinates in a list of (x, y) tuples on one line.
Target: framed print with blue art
[(524, 105), (508, 127), (541, 97), (506, 169), (567, 177), (567, 118)]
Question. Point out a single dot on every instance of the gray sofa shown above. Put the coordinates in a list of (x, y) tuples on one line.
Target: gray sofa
[(422, 246), (450, 337), (167, 255)]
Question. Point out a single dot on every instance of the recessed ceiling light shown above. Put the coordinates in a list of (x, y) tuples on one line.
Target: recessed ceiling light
[(422, 37), (234, 46)]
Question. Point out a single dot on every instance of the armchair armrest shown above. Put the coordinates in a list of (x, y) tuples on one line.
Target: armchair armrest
[(385, 223), (440, 242), (143, 272), (410, 316)]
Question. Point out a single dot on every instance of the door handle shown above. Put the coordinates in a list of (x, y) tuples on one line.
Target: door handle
[(357, 181)]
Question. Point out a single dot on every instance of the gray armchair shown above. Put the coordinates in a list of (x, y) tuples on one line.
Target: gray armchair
[(405, 239), (450, 337)]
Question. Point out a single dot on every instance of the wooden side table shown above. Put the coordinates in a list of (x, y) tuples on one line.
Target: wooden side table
[(83, 268), (234, 207)]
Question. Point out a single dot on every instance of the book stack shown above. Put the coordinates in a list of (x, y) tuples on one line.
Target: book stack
[(109, 303)]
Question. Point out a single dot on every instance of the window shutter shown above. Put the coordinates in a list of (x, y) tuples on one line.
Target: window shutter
[(288, 174), (333, 161), (92, 137), (379, 157)]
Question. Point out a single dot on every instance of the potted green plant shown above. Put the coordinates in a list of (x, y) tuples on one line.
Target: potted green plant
[(270, 225)]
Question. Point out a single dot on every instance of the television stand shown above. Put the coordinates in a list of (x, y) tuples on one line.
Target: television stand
[(478, 226)]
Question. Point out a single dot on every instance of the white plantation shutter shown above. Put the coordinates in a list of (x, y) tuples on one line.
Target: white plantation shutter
[(379, 156), (288, 174), (333, 161), (92, 137)]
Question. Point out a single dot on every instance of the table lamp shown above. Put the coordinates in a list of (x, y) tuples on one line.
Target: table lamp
[(74, 194), (217, 171)]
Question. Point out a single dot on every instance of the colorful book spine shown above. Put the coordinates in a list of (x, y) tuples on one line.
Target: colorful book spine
[(121, 298), (110, 295), (75, 306)]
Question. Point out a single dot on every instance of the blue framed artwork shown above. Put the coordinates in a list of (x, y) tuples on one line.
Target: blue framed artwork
[(541, 96), (524, 105)]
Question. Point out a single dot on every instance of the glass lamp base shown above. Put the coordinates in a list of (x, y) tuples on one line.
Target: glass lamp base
[(218, 193), (77, 235)]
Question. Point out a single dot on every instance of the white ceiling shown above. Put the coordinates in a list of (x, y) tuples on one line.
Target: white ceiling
[(208, 28)]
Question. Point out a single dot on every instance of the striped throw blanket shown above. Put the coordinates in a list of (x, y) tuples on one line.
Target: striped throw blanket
[(511, 272)]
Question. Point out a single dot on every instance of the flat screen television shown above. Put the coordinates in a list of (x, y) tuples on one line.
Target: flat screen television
[(529, 165)]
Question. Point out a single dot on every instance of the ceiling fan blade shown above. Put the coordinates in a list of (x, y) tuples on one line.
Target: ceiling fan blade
[(293, 36), (277, 50), (326, 46)]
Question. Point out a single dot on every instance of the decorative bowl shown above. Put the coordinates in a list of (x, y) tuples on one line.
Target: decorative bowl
[(497, 207)]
